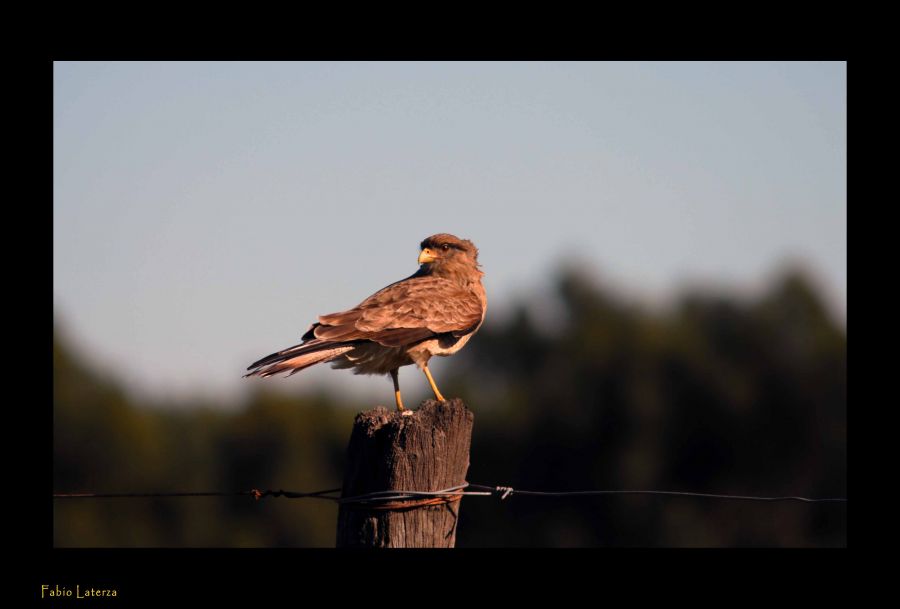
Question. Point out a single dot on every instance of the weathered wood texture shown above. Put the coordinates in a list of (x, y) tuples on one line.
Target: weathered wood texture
[(425, 451)]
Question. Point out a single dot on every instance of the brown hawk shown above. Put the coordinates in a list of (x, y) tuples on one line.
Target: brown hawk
[(434, 311)]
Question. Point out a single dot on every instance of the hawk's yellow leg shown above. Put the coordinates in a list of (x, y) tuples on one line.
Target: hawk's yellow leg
[(434, 388), (397, 397)]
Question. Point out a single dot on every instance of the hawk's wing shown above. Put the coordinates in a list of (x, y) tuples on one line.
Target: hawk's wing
[(403, 313)]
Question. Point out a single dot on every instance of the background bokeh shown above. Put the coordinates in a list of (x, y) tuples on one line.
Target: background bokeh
[(665, 249)]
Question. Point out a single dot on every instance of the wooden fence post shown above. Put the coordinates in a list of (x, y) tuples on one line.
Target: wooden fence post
[(427, 450)]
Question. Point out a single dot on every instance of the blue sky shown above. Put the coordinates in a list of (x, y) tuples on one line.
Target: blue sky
[(205, 213)]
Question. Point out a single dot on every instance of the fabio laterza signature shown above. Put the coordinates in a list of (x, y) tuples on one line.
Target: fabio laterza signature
[(57, 591)]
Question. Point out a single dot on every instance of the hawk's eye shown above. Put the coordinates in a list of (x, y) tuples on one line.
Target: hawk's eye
[(445, 247)]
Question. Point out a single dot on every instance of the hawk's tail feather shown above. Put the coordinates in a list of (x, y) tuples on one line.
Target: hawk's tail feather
[(304, 347), (296, 359)]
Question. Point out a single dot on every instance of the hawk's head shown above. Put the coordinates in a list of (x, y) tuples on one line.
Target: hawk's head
[(449, 256)]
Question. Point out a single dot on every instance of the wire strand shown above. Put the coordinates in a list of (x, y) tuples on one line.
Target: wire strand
[(479, 490), (507, 491)]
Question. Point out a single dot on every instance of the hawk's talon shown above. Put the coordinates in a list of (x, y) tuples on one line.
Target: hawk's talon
[(397, 398), (437, 393)]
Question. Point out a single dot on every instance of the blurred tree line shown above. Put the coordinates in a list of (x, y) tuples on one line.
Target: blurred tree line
[(716, 394)]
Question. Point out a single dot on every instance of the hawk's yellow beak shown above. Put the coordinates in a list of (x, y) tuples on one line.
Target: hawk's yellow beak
[(427, 256)]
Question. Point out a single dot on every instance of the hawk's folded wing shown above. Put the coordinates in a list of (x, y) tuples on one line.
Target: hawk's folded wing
[(404, 313)]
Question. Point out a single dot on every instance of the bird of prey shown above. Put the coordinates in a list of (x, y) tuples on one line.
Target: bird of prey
[(434, 311)]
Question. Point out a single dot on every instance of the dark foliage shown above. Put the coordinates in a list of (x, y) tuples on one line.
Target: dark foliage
[(718, 394)]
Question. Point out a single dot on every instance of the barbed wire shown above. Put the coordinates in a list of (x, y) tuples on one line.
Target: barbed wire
[(453, 493)]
